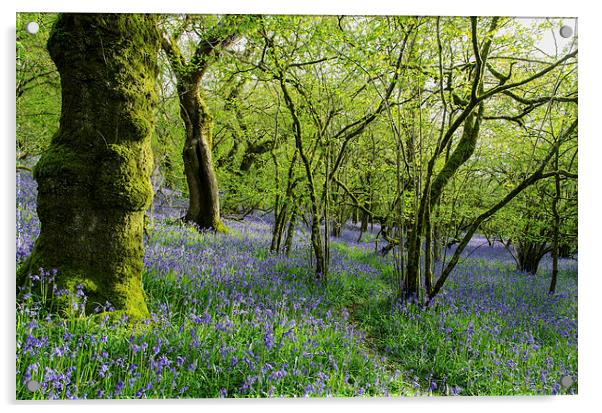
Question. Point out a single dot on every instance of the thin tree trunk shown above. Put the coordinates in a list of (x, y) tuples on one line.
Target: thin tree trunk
[(412, 276), (556, 228), (565, 250), (94, 183), (316, 242), (437, 243), (278, 229), (336, 227), (316, 235), (428, 253), (283, 211), (326, 212), (363, 225), (290, 232)]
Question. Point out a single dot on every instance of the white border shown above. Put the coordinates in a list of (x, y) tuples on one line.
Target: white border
[(589, 189), (430, 7)]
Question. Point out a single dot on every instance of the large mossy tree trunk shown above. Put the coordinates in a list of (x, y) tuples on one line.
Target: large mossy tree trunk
[(94, 181)]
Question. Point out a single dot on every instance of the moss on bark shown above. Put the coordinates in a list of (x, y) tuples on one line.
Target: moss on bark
[(94, 181), (204, 204)]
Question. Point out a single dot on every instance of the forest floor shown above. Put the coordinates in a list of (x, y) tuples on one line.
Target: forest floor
[(231, 319)]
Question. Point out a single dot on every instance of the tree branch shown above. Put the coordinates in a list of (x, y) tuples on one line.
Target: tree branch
[(471, 229)]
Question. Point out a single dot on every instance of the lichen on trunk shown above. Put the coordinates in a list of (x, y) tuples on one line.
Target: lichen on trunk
[(94, 181)]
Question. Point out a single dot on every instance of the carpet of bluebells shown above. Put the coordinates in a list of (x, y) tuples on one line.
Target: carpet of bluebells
[(230, 319)]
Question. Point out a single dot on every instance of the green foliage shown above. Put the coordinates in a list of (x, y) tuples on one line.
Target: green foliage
[(38, 97), (336, 71)]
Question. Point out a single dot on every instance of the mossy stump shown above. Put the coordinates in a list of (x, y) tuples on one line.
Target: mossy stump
[(94, 181)]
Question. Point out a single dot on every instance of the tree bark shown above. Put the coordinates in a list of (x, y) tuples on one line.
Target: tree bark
[(204, 206), (437, 243), (336, 227), (316, 236), (529, 255), (565, 250), (278, 229), (290, 232), (556, 228), (428, 253), (411, 287), (363, 225), (94, 181), (281, 207)]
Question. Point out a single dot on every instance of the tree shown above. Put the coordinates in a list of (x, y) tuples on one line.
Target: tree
[(373, 116), (322, 101), (204, 205), (94, 179), (469, 117), (536, 176)]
